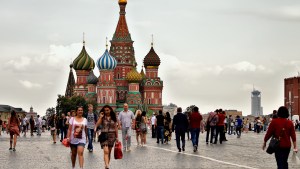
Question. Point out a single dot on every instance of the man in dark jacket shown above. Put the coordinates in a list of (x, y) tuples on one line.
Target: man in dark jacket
[(62, 127), (180, 125), (159, 125)]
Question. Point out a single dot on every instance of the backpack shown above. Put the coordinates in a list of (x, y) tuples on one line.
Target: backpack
[(214, 120)]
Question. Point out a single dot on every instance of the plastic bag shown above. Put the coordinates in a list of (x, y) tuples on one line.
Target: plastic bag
[(118, 150), (295, 158), (66, 143)]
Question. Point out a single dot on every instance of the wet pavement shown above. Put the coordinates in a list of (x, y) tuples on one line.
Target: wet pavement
[(39, 152)]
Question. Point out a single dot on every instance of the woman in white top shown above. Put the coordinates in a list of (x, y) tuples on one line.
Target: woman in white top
[(77, 136)]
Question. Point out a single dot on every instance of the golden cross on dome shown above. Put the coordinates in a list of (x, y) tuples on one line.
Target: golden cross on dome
[(106, 44), (83, 39)]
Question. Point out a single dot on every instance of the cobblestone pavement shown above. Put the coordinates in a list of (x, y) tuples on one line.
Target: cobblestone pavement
[(38, 152)]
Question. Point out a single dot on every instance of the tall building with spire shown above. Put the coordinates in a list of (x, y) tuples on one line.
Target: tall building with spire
[(256, 108), (119, 82)]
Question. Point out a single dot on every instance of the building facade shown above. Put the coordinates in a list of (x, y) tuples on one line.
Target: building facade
[(291, 94), (119, 81), (256, 108), (5, 112)]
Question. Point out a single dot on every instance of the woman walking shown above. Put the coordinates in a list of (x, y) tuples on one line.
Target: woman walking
[(77, 136), (13, 129), (167, 128), (144, 122), (137, 127), (52, 125), (283, 129), (109, 132)]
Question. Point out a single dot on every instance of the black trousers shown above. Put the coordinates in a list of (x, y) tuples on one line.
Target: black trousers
[(153, 132), (282, 156), (220, 130), (180, 135)]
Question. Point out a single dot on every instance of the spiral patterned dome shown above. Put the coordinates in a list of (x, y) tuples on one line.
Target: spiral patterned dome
[(83, 61), (106, 61), (133, 76), (92, 79), (151, 59)]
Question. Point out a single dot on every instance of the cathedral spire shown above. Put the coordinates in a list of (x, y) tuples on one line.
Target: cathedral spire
[(122, 32), (71, 83)]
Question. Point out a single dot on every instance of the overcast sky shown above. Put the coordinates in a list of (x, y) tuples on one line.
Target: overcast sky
[(212, 52)]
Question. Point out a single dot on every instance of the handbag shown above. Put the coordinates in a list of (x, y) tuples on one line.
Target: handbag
[(274, 143), (118, 150), (103, 137)]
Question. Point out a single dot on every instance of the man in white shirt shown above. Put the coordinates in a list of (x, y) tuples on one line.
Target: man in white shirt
[(39, 125), (153, 119), (125, 121)]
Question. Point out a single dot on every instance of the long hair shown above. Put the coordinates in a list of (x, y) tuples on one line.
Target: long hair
[(168, 117), (112, 113), (13, 115)]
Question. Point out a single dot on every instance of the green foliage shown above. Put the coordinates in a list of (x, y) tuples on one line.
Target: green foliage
[(65, 105), (190, 108)]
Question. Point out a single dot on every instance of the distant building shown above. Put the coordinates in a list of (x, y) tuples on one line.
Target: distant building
[(31, 113), (5, 112), (233, 113), (256, 109), (291, 94), (171, 109)]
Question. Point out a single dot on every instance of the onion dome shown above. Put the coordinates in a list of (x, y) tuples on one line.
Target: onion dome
[(92, 79), (133, 76), (106, 61), (122, 1), (151, 59), (83, 60)]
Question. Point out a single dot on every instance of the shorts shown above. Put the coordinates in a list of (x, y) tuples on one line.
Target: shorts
[(76, 145), (53, 132)]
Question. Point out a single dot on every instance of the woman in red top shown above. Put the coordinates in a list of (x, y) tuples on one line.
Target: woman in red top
[(276, 127), (13, 129)]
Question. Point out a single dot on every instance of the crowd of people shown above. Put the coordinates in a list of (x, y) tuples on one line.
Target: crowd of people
[(81, 128)]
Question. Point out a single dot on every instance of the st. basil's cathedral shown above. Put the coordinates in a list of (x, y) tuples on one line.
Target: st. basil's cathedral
[(119, 81)]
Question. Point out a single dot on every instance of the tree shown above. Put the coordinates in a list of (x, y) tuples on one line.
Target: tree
[(65, 105), (190, 108)]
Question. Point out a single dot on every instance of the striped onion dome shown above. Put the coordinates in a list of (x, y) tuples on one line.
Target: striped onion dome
[(133, 76), (83, 61), (92, 79), (106, 61)]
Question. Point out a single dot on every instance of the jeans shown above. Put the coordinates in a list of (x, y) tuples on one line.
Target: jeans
[(281, 157), (126, 137), (179, 134), (160, 133), (38, 130), (238, 131), (63, 133), (90, 138), (195, 136)]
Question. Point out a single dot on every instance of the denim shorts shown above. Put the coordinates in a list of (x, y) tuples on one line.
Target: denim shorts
[(76, 145)]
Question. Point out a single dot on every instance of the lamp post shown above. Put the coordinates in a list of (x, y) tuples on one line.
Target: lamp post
[(290, 108)]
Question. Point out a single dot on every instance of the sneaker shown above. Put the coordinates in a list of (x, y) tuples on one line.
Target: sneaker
[(128, 149), (183, 149), (10, 149), (195, 148), (179, 150), (14, 149), (90, 150)]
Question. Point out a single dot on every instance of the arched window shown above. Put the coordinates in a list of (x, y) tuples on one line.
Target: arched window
[(149, 101)]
